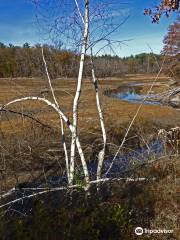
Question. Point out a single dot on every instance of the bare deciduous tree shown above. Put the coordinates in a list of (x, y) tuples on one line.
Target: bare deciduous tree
[(85, 27)]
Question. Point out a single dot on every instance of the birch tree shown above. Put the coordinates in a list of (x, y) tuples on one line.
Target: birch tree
[(88, 27), (94, 27)]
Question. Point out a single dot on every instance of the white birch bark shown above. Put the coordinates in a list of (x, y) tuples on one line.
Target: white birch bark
[(101, 119), (61, 120), (49, 103), (77, 95)]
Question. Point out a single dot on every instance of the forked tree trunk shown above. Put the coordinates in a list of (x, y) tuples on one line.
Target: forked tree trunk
[(77, 96)]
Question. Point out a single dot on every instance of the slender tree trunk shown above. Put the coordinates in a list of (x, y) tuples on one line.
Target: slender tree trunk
[(101, 119), (77, 95), (62, 131), (61, 120)]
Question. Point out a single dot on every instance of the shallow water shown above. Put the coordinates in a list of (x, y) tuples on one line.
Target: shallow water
[(131, 94), (126, 161), (121, 164)]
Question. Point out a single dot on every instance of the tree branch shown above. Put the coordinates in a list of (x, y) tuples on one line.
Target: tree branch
[(28, 116)]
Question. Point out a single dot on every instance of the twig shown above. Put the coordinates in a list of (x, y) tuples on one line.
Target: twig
[(28, 116), (79, 11), (134, 118)]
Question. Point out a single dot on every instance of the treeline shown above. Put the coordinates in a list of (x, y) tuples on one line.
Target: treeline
[(115, 66), (26, 61)]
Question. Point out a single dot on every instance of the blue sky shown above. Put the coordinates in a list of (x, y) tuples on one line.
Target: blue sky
[(18, 25)]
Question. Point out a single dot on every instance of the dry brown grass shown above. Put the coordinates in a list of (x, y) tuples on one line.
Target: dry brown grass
[(164, 195), (18, 132), (24, 144), (114, 109)]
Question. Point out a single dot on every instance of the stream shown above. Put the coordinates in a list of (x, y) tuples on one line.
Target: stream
[(131, 92), (132, 96)]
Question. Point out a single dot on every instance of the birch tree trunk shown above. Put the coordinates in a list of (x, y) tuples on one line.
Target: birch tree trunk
[(77, 96), (101, 119), (61, 120)]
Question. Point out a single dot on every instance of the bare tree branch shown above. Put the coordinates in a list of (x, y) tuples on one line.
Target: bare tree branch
[(28, 116), (79, 11), (50, 190)]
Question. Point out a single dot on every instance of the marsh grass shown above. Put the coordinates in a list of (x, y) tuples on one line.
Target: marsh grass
[(113, 214)]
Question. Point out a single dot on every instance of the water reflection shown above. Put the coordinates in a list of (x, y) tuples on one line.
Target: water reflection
[(132, 94)]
